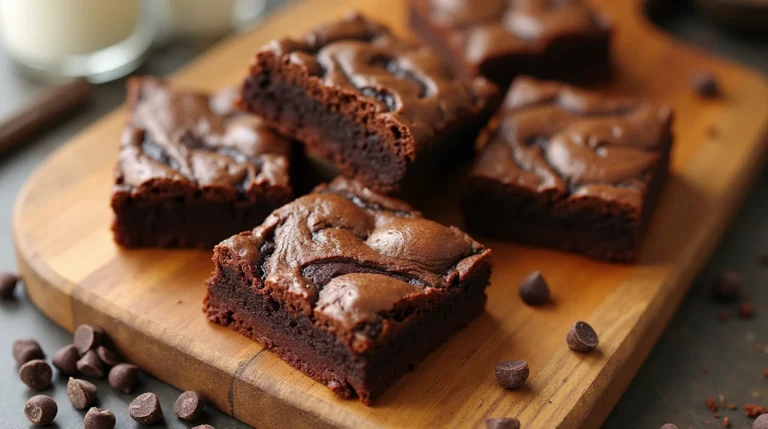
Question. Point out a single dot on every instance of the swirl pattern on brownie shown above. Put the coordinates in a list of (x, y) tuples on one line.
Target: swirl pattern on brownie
[(343, 254), (397, 80), (565, 142), (503, 26), (193, 138)]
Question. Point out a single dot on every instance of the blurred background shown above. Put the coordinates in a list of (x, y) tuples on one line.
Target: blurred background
[(45, 43)]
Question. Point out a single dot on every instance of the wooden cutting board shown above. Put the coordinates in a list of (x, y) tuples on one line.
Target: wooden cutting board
[(150, 300)]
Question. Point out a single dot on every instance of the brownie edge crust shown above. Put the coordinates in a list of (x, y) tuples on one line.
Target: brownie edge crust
[(348, 286)]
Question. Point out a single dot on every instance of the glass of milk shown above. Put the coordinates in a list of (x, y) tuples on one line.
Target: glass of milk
[(51, 40)]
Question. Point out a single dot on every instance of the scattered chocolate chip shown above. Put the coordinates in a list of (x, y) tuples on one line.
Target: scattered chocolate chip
[(726, 422), (512, 373), (36, 374), (705, 84), (204, 427), (8, 283), (108, 357), (97, 418), (723, 315), (761, 422), (502, 423), (65, 360), (668, 426), (91, 365), (582, 338), (711, 404), (189, 406), (40, 410), (88, 337), (746, 311), (146, 409), (753, 410), (728, 286), (534, 289), (123, 377), (81, 393), (27, 349)]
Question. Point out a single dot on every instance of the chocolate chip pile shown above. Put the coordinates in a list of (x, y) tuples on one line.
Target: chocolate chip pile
[(90, 356)]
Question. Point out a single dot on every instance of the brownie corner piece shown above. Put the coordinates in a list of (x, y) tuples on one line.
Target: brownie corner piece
[(379, 109), (570, 169), (351, 287), (191, 170), (501, 39)]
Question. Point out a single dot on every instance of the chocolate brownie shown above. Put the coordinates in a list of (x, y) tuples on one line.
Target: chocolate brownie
[(349, 286), (570, 169), (500, 39), (191, 170), (380, 109)]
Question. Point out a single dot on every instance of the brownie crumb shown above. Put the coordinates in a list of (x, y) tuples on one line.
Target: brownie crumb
[(733, 407), (723, 315), (726, 422), (753, 410), (705, 84), (711, 404), (746, 311), (716, 415)]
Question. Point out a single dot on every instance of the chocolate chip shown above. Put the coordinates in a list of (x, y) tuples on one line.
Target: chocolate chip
[(502, 423), (146, 409), (189, 406), (27, 349), (88, 337), (512, 373), (65, 360), (36, 374), (41, 410), (8, 283), (705, 84), (746, 311), (82, 394), (728, 286), (97, 418), (669, 426), (106, 355), (761, 422), (582, 338), (123, 377), (91, 365), (534, 289)]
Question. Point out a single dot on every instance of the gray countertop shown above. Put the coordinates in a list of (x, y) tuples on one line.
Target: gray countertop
[(669, 388)]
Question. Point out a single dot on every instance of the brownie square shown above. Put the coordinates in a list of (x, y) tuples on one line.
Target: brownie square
[(381, 110), (501, 39), (570, 169), (192, 171), (351, 287)]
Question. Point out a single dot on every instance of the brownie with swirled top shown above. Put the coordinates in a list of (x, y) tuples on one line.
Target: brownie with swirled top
[(379, 109), (349, 286), (571, 169)]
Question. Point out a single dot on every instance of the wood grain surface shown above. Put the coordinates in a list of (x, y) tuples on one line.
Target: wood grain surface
[(150, 300)]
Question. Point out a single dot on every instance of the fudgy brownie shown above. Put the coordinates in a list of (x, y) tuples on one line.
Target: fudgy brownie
[(351, 287), (500, 39), (380, 109), (570, 169), (192, 171)]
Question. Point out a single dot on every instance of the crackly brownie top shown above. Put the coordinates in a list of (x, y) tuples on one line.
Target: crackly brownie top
[(562, 141), (392, 78), (493, 28), (198, 139), (344, 255)]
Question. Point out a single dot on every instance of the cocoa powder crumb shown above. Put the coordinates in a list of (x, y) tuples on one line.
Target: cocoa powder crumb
[(754, 410), (711, 404)]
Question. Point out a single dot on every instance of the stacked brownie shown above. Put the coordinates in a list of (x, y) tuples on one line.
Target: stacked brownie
[(348, 284), (192, 171)]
